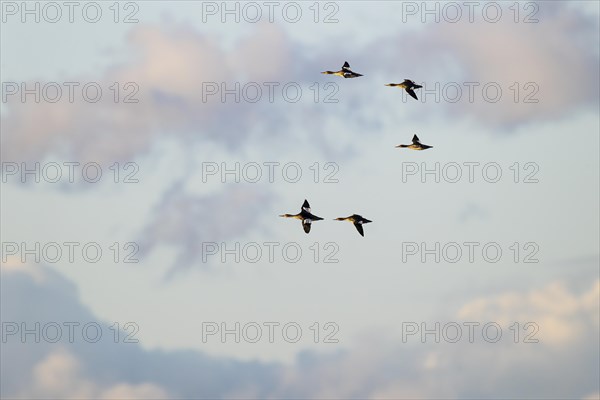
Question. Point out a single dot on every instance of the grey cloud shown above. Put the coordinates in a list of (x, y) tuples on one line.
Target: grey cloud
[(380, 366), (186, 221), (558, 56), (182, 374)]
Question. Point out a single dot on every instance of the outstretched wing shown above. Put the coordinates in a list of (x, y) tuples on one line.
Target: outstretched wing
[(359, 228), (415, 139), (346, 65), (306, 206), (412, 93), (306, 223), (350, 74)]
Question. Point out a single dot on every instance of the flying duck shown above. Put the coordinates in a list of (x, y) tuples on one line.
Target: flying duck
[(416, 144), (345, 72), (407, 85), (305, 216), (358, 222)]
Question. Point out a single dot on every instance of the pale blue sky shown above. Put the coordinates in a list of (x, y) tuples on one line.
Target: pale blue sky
[(370, 291)]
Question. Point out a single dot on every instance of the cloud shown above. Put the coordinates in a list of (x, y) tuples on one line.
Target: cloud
[(168, 67), (104, 369), (527, 53), (60, 375), (143, 391), (501, 54), (472, 211), (562, 365), (378, 366), (186, 221), (14, 265), (171, 62), (562, 315)]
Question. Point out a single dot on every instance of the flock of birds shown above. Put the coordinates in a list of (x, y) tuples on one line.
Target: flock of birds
[(307, 218), (305, 214)]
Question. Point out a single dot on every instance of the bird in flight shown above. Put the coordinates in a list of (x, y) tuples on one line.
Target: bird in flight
[(416, 144), (407, 85), (346, 72), (358, 222), (305, 216)]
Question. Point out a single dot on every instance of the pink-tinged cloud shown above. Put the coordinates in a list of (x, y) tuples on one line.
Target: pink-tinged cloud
[(61, 375), (554, 62), (382, 367), (378, 365), (563, 315), (186, 222), (167, 73)]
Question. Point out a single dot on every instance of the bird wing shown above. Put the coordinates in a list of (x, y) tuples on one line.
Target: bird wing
[(306, 223), (346, 65), (306, 206), (412, 93), (415, 139), (359, 228), (313, 217)]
